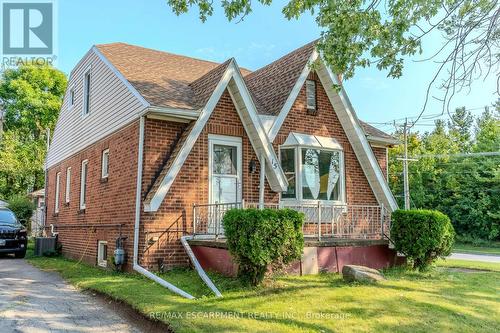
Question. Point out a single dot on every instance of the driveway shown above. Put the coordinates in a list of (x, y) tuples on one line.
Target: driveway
[(35, 301), (475, 257)]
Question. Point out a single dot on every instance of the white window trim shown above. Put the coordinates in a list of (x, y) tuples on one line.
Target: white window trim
[(68, 185), (100, 261), (83, 194), (104, 172), (58, 190), (214, 139), (298, 177), (84, 95)]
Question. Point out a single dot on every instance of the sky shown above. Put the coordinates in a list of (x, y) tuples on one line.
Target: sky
[(262, 37)]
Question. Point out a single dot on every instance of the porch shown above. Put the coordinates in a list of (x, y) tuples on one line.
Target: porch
[(323, 222)]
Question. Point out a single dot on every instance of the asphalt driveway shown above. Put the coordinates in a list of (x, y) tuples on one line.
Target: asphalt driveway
[(35, 301)]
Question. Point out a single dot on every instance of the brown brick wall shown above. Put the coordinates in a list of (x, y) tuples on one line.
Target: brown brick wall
[(381, 155), (107, 202)]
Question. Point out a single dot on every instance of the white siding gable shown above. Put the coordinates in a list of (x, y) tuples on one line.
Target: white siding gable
[(113, 104)]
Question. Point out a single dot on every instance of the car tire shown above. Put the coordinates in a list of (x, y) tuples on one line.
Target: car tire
[(20, 255)]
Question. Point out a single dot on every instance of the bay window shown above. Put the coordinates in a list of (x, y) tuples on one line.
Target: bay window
[(315, 171)]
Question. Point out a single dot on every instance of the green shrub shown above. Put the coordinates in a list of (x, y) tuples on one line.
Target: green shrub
[(23, 208), (258, 239), (422, 235)]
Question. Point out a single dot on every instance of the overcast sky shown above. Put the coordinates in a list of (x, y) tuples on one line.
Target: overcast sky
[(262, 37)]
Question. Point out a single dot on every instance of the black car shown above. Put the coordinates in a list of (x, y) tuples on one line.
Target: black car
[(13, 235)]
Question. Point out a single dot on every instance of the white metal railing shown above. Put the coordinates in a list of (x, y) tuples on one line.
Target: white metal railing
[(207, 218), (321, 220)]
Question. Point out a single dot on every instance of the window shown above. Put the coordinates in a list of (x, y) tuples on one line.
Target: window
[(102, 253), (288, 165), (105, 164), (68, 184), (311, 94), (58, 180), (71, 97), (86, 93), (320, 174), (315, 174), (83, 184)]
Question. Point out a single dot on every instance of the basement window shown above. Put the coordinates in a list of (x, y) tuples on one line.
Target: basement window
[(102, 253), (311, 94)]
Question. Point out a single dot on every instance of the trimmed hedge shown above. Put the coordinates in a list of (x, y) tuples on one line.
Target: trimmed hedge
[(258, 239), (422, 235)]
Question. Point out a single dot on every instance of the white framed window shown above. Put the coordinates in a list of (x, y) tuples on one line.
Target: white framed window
[(86, 93), (58, 185), (71, 97), (68, 185), (311, 94), (105, 164), (102, 253), (83, 184), (315, 171)]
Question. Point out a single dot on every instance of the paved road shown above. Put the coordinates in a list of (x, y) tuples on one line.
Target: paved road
[(35, 301), (475, 257)]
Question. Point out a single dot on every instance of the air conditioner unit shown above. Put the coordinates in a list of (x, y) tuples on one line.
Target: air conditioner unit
[(45, 244)]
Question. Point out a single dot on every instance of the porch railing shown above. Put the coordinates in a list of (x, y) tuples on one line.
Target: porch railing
[(208, 218), (321, 220)]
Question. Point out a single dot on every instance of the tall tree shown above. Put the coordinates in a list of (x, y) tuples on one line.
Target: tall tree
[(361, 33), (460, 126), (30, 97)]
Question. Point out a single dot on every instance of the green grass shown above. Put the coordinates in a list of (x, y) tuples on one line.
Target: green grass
[(480, 265), (490, 249), (440, 300)]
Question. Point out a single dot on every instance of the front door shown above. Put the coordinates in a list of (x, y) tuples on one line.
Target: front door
[(225, 173)]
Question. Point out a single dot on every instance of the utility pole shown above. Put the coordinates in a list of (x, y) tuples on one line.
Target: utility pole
[(406, 184)]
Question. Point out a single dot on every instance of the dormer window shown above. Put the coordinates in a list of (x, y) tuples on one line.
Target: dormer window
[(311, 94)]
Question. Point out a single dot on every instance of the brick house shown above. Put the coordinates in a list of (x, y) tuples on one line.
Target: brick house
[(154, 146)]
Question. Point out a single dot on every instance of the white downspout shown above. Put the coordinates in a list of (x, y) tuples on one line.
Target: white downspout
[(262, 180), (197, 265), (136, 265)]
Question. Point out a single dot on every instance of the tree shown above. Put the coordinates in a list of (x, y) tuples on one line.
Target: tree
[(465, 188), (30, 96), (361, 33)]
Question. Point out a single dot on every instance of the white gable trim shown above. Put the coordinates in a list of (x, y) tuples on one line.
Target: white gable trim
[(120, 76), (351, 126), (280, 119), (231, 73)]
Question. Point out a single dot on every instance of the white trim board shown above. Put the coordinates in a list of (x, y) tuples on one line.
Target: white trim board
[(231, 73)]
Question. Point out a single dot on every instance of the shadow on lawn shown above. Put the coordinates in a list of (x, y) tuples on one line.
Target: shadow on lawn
[(407, 302)]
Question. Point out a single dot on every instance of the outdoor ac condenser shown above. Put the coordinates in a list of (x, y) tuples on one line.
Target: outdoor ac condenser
[(44, 244)]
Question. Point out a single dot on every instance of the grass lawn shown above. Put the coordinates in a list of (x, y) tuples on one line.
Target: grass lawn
[(493, 249), (442, 300)]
